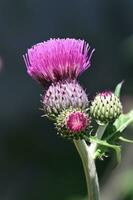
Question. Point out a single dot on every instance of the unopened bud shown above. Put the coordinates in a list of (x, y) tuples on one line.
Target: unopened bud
[(105, 107)]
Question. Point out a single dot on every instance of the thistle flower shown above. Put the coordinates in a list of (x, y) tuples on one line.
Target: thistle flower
[(63, 95), (57, 59), (56, 64), (72, 123), (106, 107)]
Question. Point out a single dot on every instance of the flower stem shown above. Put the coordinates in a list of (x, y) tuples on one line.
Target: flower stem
[(89, 169), (99, 134)]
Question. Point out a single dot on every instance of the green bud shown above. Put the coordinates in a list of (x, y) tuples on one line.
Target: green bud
[(105, 107)]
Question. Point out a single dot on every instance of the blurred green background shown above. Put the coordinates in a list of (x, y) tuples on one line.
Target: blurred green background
[(35, 163)]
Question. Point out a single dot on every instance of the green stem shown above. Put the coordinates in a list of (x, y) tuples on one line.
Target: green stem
[(99, 134), (89, 169)]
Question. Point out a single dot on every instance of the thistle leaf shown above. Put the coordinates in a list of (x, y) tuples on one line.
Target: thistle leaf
[(118, 89), (106, 144), (114, 130), (123, 121)]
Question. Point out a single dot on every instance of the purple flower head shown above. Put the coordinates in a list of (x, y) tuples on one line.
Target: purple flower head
[(77, 122), (73, 123), (57, 59)]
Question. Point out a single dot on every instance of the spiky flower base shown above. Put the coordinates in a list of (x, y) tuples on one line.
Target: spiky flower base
[(63, 95), (72, 123), (106, 107)]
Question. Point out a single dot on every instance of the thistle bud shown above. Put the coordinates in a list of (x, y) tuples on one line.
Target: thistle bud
[(105, 107), (72, 123), (63, 95)]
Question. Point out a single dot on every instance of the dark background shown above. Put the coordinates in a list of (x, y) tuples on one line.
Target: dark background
[(35, 163)]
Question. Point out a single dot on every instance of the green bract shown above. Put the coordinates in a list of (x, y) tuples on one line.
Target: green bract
[(106, 107)]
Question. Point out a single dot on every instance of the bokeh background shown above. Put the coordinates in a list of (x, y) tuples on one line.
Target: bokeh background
[(35, 163)]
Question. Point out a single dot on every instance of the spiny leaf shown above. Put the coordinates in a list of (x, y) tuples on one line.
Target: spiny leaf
[(118, 89), (106, 144), (114, 130), (123, 121)]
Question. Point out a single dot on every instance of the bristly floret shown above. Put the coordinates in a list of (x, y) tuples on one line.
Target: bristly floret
[(76, 121), (73, 123), (57, 59)]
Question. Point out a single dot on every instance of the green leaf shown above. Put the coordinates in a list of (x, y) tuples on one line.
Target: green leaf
[(106, 144), (118, 89), (114, 130), (123, 121)]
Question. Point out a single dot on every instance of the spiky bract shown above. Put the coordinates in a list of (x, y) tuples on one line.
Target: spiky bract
[(63, 95), (105, 107)]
